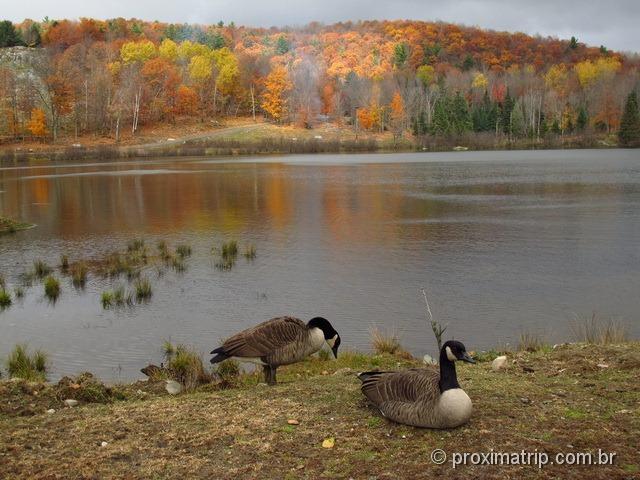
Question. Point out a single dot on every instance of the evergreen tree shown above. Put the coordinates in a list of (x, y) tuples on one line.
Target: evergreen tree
[(555, 127), (282, 46), (400, 54), (9, 36), (505, 113), (582, 120), (468, 63), (518, 128), (460, 112), (484, 115), (629, 133), (440, 124)]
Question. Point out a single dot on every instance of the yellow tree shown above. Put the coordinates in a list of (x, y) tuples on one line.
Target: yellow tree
[(274, 98), (37, 124), (397, 115), (168, 50)]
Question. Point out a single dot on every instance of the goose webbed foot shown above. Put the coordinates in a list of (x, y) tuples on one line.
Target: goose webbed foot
[(270, 375)]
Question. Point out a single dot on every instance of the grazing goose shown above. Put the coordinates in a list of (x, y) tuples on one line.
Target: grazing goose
[(279, 341), (422, 397)]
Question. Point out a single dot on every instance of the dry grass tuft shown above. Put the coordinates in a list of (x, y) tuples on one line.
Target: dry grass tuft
[(385, 343), (530, 342), (598, 331), (185, 366), (22, 364)]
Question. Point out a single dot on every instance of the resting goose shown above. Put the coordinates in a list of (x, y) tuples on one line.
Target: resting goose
[(279, 341), (422, 397)]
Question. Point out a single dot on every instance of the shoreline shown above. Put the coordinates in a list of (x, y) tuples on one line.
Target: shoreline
[(572, 398)]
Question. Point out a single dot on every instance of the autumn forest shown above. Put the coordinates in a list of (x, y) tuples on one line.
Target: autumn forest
[(62, 79)]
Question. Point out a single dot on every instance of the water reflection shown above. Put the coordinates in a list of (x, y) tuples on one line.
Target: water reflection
[(506, 242)]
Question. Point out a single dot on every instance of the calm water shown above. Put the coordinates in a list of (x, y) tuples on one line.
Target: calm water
[(505, 242)]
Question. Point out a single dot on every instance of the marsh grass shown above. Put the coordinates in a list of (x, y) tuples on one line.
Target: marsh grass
[(598, 331), (118, 297), (178, 264), (143, 290), (383, 342), (185, 365), (22, 364), (27, 278), (228, 254), (250, 252), (5, 299), (52, 288), (41, 269), (135, 245), (106, 299), (79, 272), (64, 262), (531, 342), (183, 250), (18, 292), (3, 283), (229, 372)]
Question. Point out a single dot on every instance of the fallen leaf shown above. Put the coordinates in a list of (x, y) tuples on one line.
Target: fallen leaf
[(328, 442), (292, 421)]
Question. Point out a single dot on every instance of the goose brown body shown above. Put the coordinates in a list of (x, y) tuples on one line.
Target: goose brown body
[(422, 397), (279, 341)]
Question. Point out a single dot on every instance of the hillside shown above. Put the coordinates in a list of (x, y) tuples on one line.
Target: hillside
[(574, 398), (417, 80)]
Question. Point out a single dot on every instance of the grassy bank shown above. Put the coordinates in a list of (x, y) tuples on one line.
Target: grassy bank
[(573, 398), (247, 138)]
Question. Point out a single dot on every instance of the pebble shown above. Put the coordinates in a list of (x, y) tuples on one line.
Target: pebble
[(603, 365), (499, 363), (173, 387), (525, 400), (50, 411), (70, 402), (292, 421), (104, 444)]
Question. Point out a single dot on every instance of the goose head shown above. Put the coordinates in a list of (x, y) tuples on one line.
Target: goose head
[(454, 350), (330, 334)]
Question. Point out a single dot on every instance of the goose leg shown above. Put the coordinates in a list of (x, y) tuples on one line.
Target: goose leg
[(269, 374)]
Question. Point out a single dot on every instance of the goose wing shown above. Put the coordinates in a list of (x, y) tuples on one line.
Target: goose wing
[(264, 338), (386, 389)]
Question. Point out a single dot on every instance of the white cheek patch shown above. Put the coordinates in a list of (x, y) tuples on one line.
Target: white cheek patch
[(332, 341), (450, 354)]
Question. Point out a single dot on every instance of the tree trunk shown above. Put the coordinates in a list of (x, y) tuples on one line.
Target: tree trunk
[(253, 104)]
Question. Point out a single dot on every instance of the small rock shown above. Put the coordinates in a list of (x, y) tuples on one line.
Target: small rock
[(104, 444), (603, 365), (623, 411), (525, 400), (51, 411), (70, 402), (428, 360), (173, 387), (325, 372), (342, 371), (527, 369), (329, 442), (292, 421), (499, 363)]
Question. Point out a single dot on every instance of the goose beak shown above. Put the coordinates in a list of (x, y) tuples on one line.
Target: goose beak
[(467, 358)]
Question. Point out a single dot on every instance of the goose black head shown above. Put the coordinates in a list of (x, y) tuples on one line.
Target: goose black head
[(330, 335), (454, 350)]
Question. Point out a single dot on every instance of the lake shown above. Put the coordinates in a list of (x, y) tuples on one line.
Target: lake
[(504, 242)]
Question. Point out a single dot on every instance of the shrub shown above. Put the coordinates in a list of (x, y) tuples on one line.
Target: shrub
[(32, 367)]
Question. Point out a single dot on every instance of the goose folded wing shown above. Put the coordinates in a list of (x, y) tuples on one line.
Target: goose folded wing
[(406, 386), (265, 338)]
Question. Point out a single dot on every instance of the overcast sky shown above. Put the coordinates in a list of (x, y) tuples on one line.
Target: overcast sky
[(613, 23)]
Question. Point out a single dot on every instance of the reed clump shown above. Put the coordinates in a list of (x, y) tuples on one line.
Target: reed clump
[(185, 366), (531, 342), (385, 342), (5, 299), (52, 288), (79, 273), (41, 269), (28, 366)]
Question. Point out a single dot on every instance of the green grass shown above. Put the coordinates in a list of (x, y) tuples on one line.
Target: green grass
[(52, 288), (5, 299), (22, 364), (185, 366), (106, 299)]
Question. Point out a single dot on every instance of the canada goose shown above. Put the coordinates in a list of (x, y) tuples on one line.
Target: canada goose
[(279, 341), (422, 397)]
